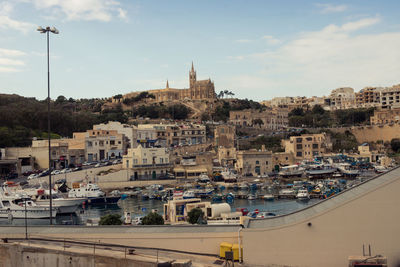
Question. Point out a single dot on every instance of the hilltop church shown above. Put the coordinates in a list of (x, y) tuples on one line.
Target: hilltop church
[(198, 90)]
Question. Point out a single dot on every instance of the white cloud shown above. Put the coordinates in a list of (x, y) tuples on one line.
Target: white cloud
[(329, 8), (316, 62), (11, 53), (8, 61), (6, 22), (271, 40), (102, 10)]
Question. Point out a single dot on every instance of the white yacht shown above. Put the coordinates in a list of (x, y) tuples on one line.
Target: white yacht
[(302, 194), (63, 205), (86, 191), (14, 206)]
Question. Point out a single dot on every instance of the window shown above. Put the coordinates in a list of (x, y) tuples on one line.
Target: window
[(299, 146), (112, 142), (144, 161), (119, 142), (257, 162), (315, 146), (266, 163), (299, 154), (161, 160)]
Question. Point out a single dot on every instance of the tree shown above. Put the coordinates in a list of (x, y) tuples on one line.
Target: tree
[(110, 219), (153, 218), (395, 145), (195, 215), (258, 121), (221, 94)]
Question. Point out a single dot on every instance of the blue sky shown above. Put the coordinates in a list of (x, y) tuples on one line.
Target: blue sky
[(257, 49)]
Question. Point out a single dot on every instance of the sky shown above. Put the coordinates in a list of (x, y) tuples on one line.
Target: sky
[(256, 49)]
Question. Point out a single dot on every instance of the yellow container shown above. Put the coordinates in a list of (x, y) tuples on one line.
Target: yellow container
[(223, 247), (235, 249)]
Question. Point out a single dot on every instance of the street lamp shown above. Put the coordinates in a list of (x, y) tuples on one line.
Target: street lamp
[(47, 30)]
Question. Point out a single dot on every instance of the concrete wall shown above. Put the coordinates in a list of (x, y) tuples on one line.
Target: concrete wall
[(14, 255), (375, 133), (335, 233)]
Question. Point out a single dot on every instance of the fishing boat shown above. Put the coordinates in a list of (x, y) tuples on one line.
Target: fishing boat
[(268, 197), (243, 186), (302, 194), (188, 194), (321, 171), (347, 171), (291, 171), (92, 193), (251, 197)]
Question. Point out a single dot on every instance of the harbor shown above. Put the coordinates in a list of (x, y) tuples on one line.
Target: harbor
[(253, 197)]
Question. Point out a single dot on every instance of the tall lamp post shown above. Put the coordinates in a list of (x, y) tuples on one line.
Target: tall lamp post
[(47, 30)]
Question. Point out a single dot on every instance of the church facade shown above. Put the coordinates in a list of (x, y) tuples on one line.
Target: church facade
[(198, 90)]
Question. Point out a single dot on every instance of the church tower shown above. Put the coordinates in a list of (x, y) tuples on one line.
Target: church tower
[(192, 77)]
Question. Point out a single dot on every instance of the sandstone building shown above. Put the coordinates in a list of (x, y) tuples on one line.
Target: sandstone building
[(198, 90)]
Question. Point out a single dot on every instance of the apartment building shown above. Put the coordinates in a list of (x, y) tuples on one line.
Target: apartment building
[(103, 144), (341, 98), (146, 135), (254, 162), (147, 162), (390, 97), (307, 146), (385, 116), (271, 118), (369, 97), (129, 131)]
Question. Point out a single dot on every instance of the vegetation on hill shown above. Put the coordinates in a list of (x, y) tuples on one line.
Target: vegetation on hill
[(23, 118), (317, 117), (138, 98), (221, 112)]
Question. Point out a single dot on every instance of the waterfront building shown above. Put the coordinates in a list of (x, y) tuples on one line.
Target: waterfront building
[(282, 159), (129, 131), (198, 90), (271, 118), (307, 146), (147, 162), (385, 116), (102, 144), (254, 162), (192, 166)]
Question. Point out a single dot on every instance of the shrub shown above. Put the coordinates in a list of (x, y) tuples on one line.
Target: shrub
[(194, 215), (153, 218), (110, 219)]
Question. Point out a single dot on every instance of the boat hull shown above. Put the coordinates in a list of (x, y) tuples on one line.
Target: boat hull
[(30, 213), (103, 200)]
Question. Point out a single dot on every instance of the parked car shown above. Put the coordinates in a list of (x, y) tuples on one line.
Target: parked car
[(77, 169), (32, 176)]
